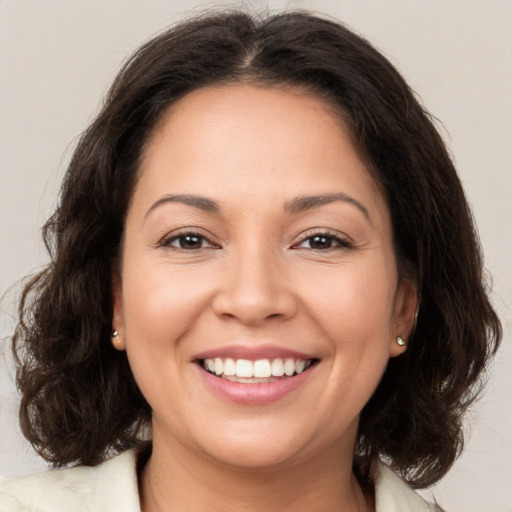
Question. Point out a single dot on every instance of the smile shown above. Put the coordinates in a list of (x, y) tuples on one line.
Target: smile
[(254, 374), (258, 371)]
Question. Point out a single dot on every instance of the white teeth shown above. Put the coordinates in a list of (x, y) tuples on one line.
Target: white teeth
[(277, 368), (210, 365), (229, 367), (299, 367), (255, 371), (289, 367), (262, 368), (244, 368)]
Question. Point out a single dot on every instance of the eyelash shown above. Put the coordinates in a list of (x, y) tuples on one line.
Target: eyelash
[(167, 242), (328, 236)]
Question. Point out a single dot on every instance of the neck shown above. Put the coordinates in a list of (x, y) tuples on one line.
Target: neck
[(176, 479)]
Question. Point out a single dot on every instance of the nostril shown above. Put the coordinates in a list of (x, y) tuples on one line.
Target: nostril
[(252, 309)]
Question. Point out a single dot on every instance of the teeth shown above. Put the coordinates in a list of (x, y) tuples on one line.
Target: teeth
[(299, 367), (210, 365), (289, 367), (258, 371), (244, 368), (229, 367), (262, 368), (277, 368), (249, 380), (219, 366)]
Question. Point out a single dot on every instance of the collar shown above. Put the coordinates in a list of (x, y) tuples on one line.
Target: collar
[(392, 494), (113, 487)]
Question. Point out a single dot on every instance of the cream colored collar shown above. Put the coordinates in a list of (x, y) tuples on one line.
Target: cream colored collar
[(112, 487)]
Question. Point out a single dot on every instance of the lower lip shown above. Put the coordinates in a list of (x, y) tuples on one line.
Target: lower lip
[(254, 393)]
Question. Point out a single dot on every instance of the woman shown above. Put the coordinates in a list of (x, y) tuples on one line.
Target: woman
[(262, 261)]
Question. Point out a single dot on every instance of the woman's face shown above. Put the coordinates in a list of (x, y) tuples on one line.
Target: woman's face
[(259, 299)]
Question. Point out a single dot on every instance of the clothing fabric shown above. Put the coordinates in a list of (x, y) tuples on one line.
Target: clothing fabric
[(112, 487)]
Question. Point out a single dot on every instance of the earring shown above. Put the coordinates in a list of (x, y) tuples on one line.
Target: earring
[(401, 342), (116, 340)]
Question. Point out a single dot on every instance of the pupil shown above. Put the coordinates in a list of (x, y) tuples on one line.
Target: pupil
[(190, 242), (320, 242)]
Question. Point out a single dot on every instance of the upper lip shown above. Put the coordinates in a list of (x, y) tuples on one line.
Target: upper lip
[(252, 352)]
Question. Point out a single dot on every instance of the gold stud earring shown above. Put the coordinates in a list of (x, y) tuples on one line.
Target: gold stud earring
[(401, 342)]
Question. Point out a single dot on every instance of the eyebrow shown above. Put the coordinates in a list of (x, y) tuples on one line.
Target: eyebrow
[(203, 203), (303, 203), (296, 205)]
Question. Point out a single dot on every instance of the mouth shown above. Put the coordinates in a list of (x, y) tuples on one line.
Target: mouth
[(259, 371)]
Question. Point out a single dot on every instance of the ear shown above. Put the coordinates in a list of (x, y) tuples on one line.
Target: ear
[(117, 335), (406, 307)]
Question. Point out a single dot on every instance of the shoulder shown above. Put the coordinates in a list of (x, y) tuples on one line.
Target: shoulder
[(109, 487), (392, 494)]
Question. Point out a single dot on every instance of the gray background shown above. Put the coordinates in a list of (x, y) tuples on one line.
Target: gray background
[(58, 57)]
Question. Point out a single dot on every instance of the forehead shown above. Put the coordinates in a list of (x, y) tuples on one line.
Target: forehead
[(248, 141)]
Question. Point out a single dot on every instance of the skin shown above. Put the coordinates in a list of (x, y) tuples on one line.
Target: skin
[(257, 277)]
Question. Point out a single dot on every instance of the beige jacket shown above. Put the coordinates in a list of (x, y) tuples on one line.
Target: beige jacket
[(112, 487)]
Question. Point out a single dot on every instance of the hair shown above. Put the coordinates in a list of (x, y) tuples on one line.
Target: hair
[(80, 402)]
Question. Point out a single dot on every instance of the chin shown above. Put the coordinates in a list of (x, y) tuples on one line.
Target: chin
[(256, 457), (259, 446)]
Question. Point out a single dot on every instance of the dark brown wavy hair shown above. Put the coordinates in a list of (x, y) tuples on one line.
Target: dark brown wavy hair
[(79, 399)]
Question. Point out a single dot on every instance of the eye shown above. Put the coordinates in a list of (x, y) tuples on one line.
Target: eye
[(188, 242), (323, 242)]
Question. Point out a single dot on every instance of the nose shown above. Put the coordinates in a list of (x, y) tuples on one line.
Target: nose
[(254, 290)]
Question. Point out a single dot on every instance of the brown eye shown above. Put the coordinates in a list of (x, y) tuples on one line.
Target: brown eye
[(187, 242), (323, 242), (320, 242), (190, 242)]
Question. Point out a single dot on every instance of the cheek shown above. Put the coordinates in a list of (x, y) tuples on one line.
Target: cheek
[(354, 311), (352, 305), (155, 292), (160, 306)]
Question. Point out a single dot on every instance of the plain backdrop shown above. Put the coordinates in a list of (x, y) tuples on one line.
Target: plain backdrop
[(58, 57)]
